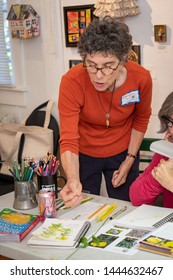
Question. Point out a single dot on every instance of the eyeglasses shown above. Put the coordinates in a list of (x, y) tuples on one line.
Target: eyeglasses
[(106, 70), (167, 121)]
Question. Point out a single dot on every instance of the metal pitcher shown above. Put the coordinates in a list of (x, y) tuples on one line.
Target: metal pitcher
[(25, 195)]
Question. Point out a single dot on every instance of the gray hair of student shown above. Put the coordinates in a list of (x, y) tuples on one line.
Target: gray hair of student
[(167, 111), (107, 36)]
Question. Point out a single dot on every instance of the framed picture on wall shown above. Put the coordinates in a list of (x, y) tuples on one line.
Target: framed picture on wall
[(76, 19), (135, 54), (160, 33), (73, 62)]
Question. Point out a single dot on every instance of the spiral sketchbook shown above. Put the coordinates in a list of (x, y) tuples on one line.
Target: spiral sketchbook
[(163, 148), (59, 233), (148, 216)]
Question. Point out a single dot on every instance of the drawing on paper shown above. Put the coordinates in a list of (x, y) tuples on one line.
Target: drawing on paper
[(56, 232)]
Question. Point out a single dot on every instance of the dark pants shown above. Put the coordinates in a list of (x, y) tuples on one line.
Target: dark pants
[(91, 170)]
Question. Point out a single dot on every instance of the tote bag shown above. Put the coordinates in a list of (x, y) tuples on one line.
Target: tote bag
[(23, 141), (17, 141)]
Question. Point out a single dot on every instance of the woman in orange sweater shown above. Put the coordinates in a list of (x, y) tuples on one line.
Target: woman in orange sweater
[(104, 108)]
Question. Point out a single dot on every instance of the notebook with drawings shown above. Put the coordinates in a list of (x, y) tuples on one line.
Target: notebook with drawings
[(59, 233), (148, 216)]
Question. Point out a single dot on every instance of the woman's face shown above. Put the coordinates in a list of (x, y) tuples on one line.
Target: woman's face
[(169, 132), (103, 70), (170, 127)]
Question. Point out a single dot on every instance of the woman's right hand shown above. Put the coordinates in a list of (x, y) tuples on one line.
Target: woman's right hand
[(71, 193)]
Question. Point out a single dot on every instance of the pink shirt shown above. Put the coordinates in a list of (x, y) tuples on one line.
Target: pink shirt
[(145, 189)]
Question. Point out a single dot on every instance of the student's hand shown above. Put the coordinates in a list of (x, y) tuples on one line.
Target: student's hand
[(71, 193), (168, 136), (163, 173)]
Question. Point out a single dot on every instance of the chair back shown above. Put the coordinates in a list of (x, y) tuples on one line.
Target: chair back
[(145, 153)]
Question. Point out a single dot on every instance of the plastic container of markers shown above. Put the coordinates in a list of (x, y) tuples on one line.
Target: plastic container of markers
[(47, 203)]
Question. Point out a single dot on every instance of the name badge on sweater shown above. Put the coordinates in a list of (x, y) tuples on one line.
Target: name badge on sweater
[(130, 97)]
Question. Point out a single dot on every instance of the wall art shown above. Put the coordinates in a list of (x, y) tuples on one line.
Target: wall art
[(160, 34), (135, 54), (73, 62), (76, 19)]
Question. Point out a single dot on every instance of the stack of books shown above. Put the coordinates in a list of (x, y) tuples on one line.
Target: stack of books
[(160, 241)]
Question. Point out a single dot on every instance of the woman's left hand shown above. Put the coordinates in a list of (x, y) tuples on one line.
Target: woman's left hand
[(120, 175)]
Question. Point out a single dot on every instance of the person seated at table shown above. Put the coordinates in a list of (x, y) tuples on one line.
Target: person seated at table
[(158, 176)]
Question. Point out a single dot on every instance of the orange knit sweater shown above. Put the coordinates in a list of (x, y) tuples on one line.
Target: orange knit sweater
[(83, 120)]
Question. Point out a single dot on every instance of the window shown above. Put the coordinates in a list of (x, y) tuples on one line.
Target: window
[(5, 48)]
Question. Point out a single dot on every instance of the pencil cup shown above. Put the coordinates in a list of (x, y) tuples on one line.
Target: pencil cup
[(49, 182), (25, 195)]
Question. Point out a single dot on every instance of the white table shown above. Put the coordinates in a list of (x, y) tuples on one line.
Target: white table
[(21, 251)]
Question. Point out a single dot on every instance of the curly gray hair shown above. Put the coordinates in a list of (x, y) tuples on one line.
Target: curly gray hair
[(107, 36), (167, 111)]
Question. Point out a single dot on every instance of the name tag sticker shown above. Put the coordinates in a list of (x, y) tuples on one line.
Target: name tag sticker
[(130, 97)]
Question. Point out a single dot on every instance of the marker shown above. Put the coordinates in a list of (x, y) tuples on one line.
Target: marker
[(15, 165), (119, 212)]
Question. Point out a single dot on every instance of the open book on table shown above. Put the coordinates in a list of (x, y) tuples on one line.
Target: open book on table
[(160, 241), (59, 233)]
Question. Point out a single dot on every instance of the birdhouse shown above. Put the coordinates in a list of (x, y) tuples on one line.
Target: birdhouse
[(23, 21)]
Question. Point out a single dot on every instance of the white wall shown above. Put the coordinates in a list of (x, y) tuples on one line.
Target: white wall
[(45, 58)]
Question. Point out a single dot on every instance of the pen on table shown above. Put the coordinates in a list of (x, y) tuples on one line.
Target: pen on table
[(86, 199), (83, 201), (119, 212), (59, 204)]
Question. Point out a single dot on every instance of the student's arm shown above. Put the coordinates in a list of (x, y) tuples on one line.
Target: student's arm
[(163, 173), (145, 189)]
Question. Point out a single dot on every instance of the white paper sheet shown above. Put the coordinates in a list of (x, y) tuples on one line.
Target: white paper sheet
[(82, 211)]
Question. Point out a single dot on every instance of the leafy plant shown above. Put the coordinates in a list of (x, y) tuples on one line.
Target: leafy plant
[(84, 242)]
